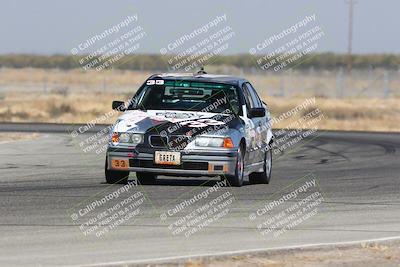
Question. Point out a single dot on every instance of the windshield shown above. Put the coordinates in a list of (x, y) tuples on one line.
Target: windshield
[(193, 96)]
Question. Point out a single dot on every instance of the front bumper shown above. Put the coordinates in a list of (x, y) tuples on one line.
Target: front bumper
[(193, 163)]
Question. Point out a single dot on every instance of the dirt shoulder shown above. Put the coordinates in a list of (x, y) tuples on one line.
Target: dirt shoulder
[(7, 137), (355, 256)]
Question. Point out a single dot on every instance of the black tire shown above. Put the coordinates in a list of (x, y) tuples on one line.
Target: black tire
[(237, 179), (263, 177), (115, 177), (145, 178)]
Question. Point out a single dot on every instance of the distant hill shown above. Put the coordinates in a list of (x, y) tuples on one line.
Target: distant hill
[(151, 62)]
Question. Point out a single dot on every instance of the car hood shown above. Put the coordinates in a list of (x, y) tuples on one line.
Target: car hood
[(173, 122)]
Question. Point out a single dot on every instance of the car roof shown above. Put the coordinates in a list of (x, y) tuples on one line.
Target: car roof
[(199, 77)]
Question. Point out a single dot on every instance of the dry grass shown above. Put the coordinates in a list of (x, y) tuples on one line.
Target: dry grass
[(72, 108), (339, 114), (71, 77), (346, 114), (76, 96)]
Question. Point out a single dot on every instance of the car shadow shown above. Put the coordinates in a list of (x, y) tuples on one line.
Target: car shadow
[(189, 181)]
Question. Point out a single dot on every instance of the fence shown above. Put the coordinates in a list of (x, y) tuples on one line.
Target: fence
[(374, 83)]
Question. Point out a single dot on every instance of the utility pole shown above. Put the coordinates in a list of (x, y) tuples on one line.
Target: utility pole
[(350, 36)]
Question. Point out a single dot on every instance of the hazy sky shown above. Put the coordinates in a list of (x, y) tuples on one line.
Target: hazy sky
[(56, 26)]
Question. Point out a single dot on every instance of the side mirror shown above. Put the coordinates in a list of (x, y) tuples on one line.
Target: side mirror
[(118, 105), (256, 112)]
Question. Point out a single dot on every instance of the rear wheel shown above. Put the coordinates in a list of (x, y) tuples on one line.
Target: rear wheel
[(115, 177), (237, 179), (146, 178), (263, 177)]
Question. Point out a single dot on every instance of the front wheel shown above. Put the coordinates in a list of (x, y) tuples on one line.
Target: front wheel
[(115, 177), (237, 179), (263, 177)]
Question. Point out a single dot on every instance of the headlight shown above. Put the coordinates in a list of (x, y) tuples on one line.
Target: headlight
[(137, 138), (127, 138), (209, 141), (203, 141), (124, 138)]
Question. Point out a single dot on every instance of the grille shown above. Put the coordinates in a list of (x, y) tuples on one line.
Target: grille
[(173, 142), (158, 141), (184, 166)]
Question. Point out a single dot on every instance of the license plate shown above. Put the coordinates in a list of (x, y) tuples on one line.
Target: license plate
[(122, 164), (167, 158)]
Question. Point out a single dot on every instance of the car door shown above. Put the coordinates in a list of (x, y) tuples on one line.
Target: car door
[(262, 126), (253, 126)]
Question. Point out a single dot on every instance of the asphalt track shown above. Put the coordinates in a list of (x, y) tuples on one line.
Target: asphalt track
[(45, 182)]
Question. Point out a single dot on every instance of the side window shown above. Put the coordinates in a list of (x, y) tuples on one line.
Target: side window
[(247, 96), (256, 100)]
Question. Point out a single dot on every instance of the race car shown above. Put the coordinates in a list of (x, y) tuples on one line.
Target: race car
[(191, 125)]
